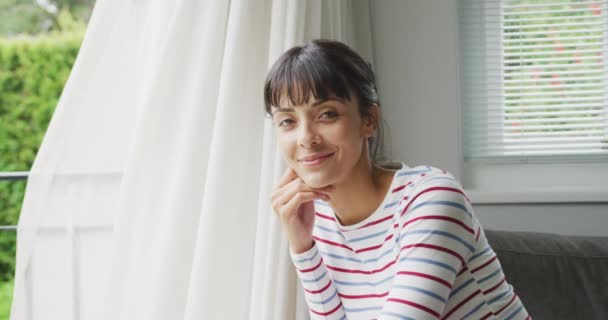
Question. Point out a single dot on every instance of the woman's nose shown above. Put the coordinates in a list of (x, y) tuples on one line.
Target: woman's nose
[(308, 135)]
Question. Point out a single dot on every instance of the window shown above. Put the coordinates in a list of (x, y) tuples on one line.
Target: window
[(39, 41), (11, 189), (534, 79)]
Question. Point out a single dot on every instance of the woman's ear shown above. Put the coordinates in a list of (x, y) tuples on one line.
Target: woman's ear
[(370, 122)]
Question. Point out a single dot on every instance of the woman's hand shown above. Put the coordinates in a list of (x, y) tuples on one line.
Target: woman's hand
[(292, 202)]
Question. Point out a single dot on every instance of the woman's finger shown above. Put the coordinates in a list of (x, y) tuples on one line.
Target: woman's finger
[(284, 194), (287, 177), (287, 191), (292, 188), (291, 207)]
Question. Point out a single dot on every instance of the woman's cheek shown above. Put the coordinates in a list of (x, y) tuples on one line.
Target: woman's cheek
[(286, 146)]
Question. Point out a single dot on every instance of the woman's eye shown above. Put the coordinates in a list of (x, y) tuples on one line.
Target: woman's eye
[(284, 123), (329, 114)]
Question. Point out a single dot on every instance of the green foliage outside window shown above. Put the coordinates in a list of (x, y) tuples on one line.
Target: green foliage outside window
[(34, 17), (33, 72), (39, 41)]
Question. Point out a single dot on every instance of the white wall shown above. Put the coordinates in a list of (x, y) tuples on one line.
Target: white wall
[(415, 47)]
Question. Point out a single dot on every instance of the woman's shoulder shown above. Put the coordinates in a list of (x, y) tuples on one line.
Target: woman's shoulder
[(426, 182), (440, 190), (423, 174)]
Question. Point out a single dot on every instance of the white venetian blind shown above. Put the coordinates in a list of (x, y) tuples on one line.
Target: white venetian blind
[(534, 80)]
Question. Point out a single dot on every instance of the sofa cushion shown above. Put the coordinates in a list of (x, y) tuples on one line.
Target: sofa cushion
[(556, 276)]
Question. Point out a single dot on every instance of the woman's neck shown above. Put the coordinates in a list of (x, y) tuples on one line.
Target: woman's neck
[(357, 197)]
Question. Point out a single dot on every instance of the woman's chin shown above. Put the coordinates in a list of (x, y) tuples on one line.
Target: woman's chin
[(315, 180)]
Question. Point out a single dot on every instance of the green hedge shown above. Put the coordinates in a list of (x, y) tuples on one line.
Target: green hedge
[(33, 71), (6, 298)]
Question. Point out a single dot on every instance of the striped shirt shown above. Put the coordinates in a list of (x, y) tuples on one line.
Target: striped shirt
[(421, 255)]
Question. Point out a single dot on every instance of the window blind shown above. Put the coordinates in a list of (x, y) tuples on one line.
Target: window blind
[(534, 80)]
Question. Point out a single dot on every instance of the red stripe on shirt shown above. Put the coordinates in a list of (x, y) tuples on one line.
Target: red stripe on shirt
[(374, 247), (320, 290), (313, 268), (362, 296), (328, 312), (484, 265), (462, 271), (320, 215), (494, 287), (427, 276), (399, 188), (486, 316), (456, 307), (332, 243), (415, 305), (376, 222)]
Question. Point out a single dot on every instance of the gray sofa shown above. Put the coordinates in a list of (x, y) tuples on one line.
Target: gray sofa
[(557, 277)]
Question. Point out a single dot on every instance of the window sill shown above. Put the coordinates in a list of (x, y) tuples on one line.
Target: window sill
[(536, 183), (537, 196)]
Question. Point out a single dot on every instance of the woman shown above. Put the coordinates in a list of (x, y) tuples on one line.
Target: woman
[(369, 242)]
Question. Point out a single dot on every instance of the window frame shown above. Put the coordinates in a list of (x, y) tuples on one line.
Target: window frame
[(530, 181), (12, 176)]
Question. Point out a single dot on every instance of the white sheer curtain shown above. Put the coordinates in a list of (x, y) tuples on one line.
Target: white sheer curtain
[(149, 197)]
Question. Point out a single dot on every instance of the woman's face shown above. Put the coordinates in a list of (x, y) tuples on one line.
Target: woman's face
[(332, 129)]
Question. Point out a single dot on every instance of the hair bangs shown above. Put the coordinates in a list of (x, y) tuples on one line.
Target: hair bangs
[(299, 77)]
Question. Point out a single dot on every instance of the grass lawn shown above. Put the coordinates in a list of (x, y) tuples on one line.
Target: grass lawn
[(6, 296)]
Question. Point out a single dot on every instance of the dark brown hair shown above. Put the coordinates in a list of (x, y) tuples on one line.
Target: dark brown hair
[(323, 68)]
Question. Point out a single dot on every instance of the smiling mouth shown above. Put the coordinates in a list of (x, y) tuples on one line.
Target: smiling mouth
[(317, 161)]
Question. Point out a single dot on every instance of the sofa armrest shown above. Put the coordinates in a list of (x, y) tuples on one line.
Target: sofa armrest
[(556, 276)]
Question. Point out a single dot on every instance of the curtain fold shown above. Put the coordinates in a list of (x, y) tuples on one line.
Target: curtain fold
[(150, 195)]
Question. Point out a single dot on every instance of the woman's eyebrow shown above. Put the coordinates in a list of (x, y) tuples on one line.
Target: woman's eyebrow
[(315, 104)]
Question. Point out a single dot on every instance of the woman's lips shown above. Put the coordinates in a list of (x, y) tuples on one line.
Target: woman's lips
[(317, 161)]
